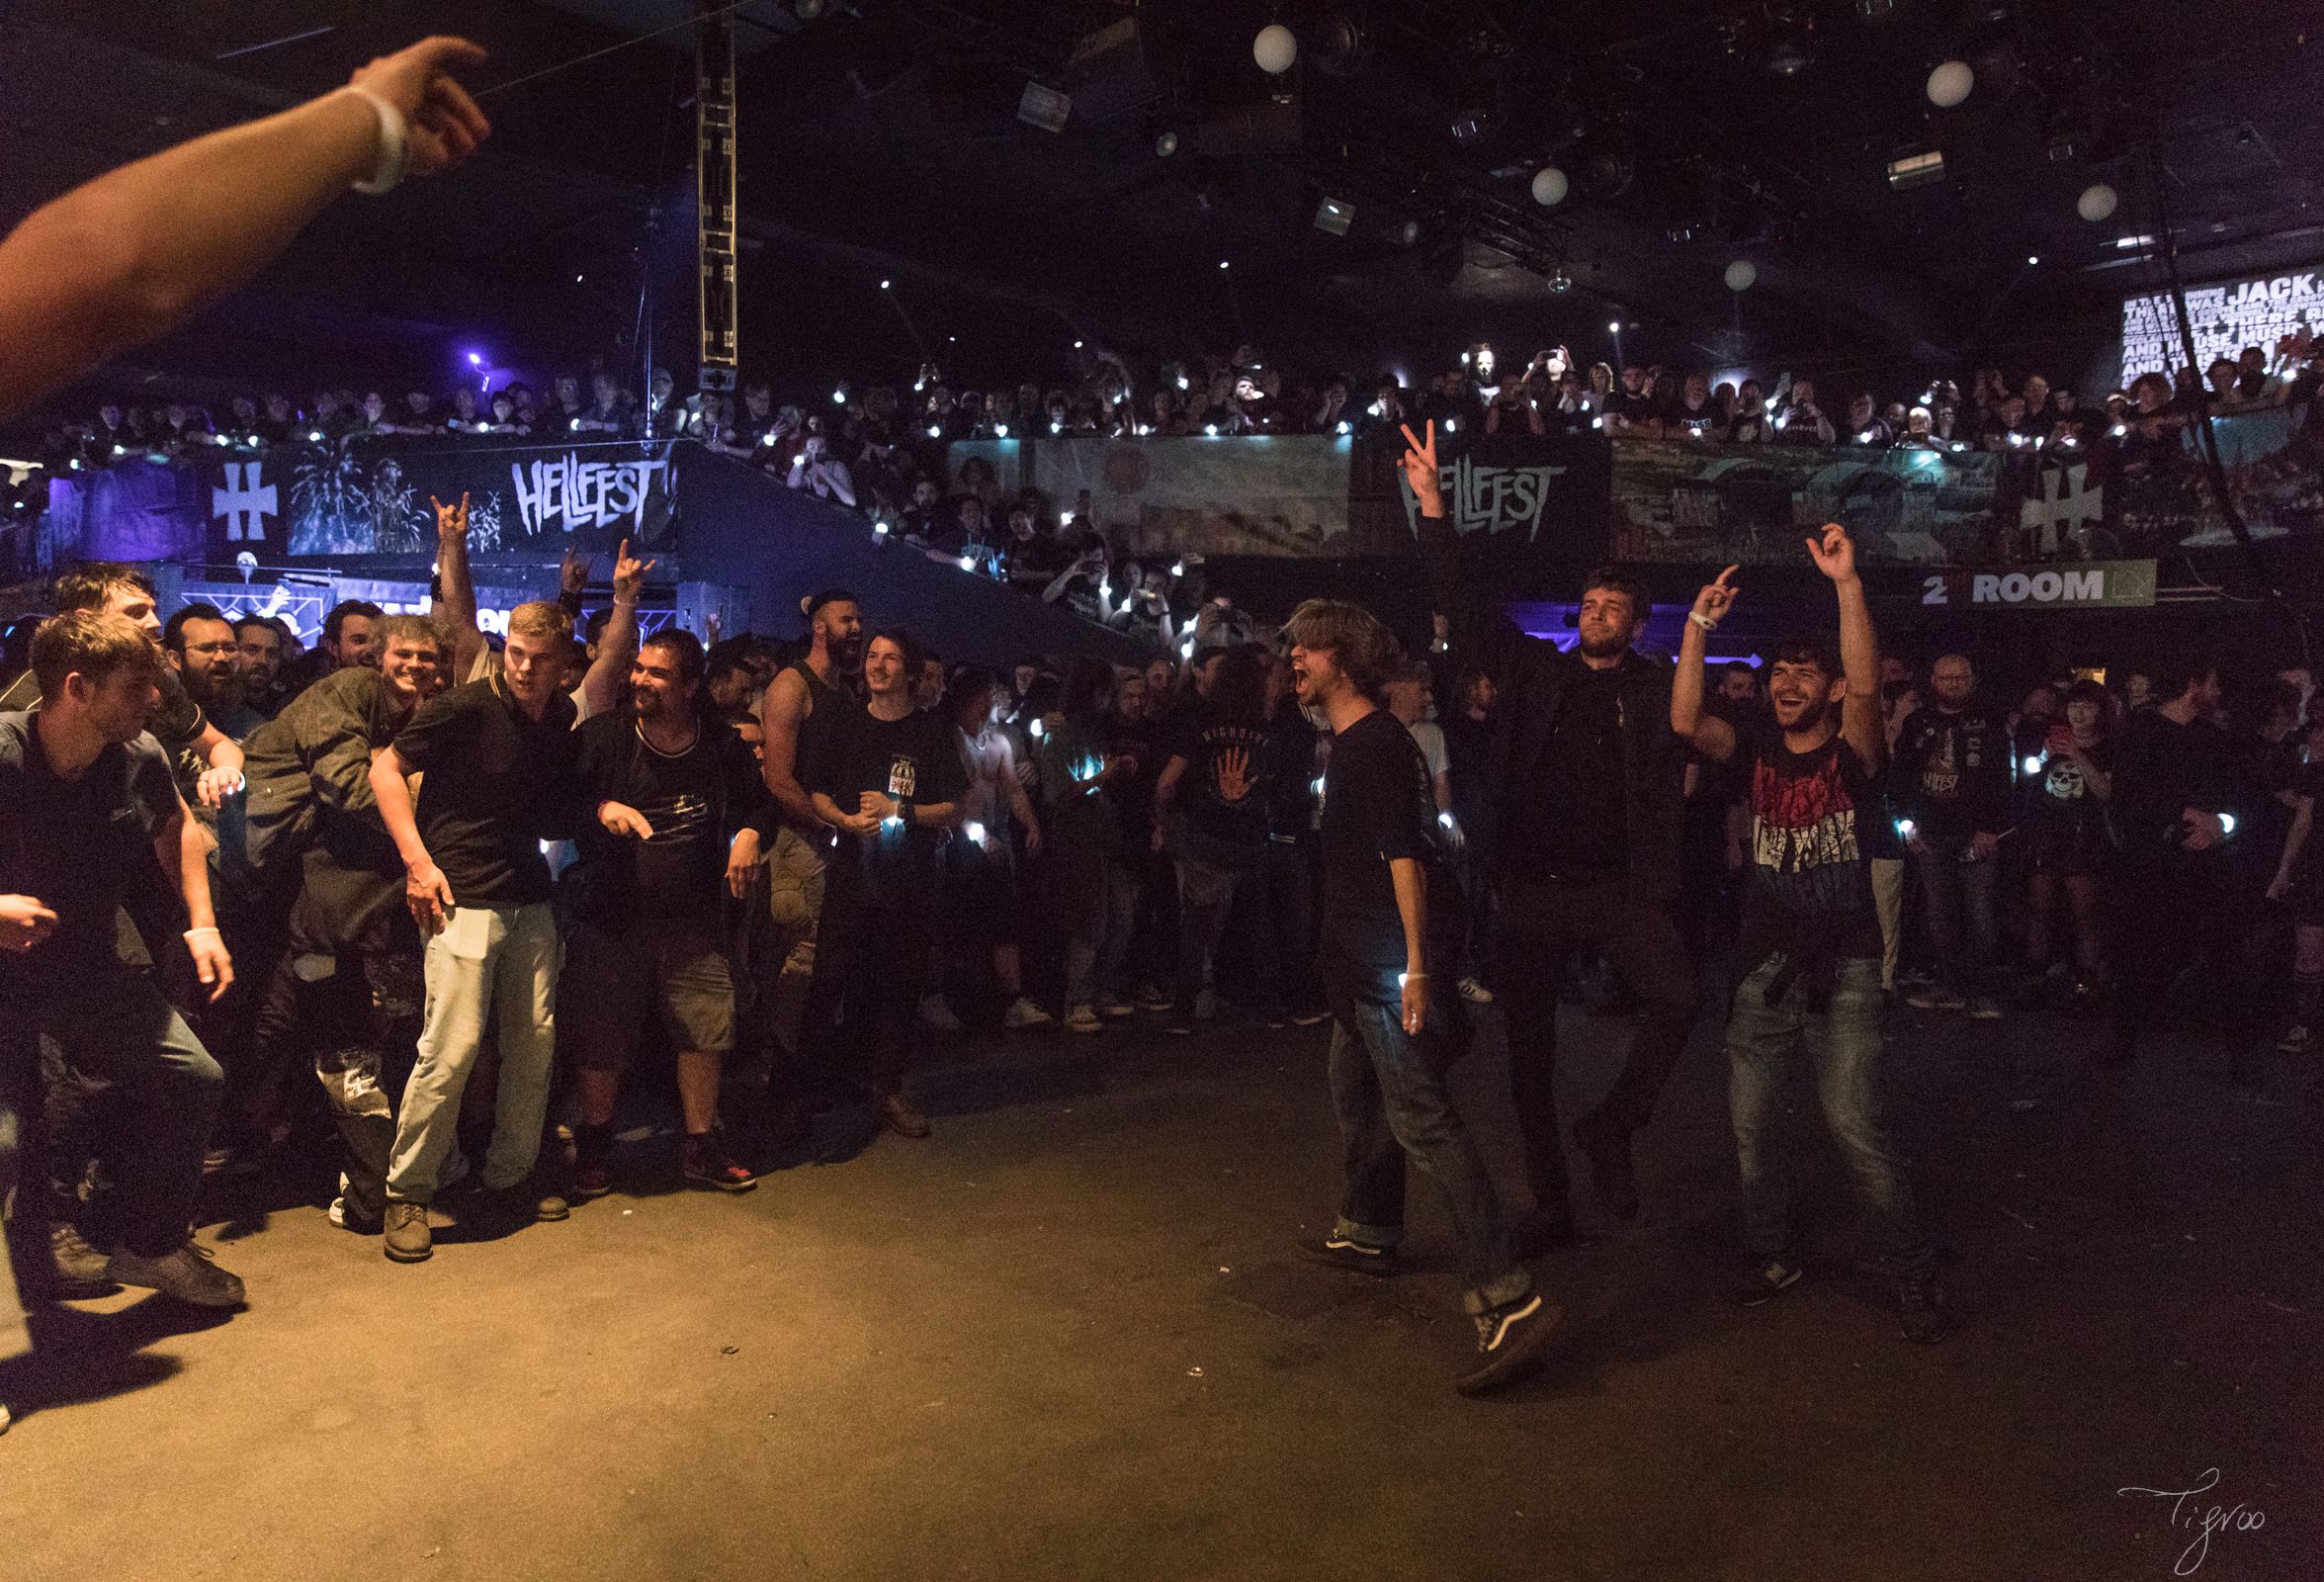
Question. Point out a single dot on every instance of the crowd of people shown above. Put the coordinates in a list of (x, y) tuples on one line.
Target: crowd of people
[(429, 868)]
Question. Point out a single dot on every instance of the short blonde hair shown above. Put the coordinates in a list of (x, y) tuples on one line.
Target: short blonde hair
[(540, 618)]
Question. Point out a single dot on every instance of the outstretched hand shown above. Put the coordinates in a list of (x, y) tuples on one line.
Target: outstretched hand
[(1419, 469), (1717, 597), (1835, 554), (445, 124)]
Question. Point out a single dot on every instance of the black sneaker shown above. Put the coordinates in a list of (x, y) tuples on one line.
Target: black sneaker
[(1510, 1341), (591, 1177), (705, 1162), (1765, 1282), (1607, 1149), (1345, 1252), (1922, 1301)]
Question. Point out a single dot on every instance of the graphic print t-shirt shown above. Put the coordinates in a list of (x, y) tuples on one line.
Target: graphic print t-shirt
[(1810, 882), (917, 759), (687, 799), (1224, 792)]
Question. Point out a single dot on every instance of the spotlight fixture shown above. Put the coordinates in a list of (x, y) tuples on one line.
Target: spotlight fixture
[(2033, 261), (1469, 125), (1741, 274), (1613, 326), (1925, 169), (1559, 281), (1166, 142), (1335, 216), (1045, 108), (1949, 83)]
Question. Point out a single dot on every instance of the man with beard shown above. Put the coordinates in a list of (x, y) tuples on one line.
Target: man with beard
[(1377, 848), (1588, 814), (807, 701), (207, 657), (1811, 936), (261, 641), (347, 986), (680, 815)]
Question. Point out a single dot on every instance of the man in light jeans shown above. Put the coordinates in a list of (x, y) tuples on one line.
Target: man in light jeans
[(501, 774)]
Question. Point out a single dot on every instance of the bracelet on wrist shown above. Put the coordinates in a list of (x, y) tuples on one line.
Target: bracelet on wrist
[(1703, 620), (392, 158), (204, 928)]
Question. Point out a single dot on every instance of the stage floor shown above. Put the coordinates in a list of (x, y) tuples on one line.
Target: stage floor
[(1069, 1336)]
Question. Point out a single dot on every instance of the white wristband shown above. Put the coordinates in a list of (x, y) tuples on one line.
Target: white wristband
[(394, 154), (1703, 620), (191, 932)]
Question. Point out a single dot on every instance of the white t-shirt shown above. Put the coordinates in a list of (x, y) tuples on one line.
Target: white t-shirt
[(1431, 738)]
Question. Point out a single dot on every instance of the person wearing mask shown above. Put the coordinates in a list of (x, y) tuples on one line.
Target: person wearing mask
[(1377, 848), (888, 781), (1589, 828), (1811, 940), (1953, 797)]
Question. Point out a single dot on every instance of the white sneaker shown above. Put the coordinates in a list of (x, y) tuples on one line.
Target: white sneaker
[(1082, 1018), (1022, 1013), (937, 1016), (1475, 993)]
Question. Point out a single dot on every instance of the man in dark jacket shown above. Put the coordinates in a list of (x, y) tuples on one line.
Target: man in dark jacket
[(1586, 785), (1952, 787)]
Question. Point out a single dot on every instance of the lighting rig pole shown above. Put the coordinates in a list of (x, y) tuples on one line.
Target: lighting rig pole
[(714, 185)]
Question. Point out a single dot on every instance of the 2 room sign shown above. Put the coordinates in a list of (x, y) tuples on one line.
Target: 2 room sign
[(2073, 585)]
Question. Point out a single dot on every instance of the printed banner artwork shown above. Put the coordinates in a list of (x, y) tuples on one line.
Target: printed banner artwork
[(2073, 585), (2227, 317), (371, 496), (1260, 495), (1711, 504), (1520, 496)]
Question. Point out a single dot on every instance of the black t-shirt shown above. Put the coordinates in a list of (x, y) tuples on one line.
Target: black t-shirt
[(2160, 769), (494, 785), (916, 758), (81, 846), (2067, 814), (1579, 774), (1378, 807), (695, 801), (1033, 563), (1222, 793), (1290, 757), (1809, 888)]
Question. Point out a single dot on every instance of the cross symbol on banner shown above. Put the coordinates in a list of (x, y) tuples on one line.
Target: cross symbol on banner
[(2045, 518), (243, 502)]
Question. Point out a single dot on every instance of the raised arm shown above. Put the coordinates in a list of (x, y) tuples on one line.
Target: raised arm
[(1476, 630), (1690, 723), (139, 250), (1860, 650), (457, 614), (617, 645)]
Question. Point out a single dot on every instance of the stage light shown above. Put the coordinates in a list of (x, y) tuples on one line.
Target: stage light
[(1222, 263), (2031, 260), (577, 279), (1613, 327), (1559, 281), (2096, 202), (1334, 216), (1166, 142), (1550, 185), (884, 285), (1916, 170), (475, 359), (1275, 48), (1951, 83), (1045, 108), (1077, 345), (1740, 274), (2134, 241)]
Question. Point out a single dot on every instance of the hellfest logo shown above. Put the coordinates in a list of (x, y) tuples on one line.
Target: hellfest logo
[(1488, 499), (571, 495)]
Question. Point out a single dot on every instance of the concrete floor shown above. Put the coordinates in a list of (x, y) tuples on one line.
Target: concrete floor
[(1067, 1338)]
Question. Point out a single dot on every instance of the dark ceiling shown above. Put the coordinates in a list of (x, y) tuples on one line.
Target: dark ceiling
[(881, 140)]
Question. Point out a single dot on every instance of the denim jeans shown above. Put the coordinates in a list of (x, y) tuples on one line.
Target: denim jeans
[(1840, 1044), (1291, 893), (485, 960), (1391, 1107), (1207, 893), (1963, 927), (1105, 902), (162, 1094)]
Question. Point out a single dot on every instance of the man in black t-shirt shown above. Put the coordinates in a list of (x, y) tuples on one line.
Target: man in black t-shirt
[(680, 818), (1810, 937), (1377, 850), (2174, 812), (889, 780), (87, 807), (499, 777)]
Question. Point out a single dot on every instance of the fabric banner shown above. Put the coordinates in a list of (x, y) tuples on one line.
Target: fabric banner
[(371, 497), (2070, 585), (1259, 495), (1524, 498), (1707, 504)]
